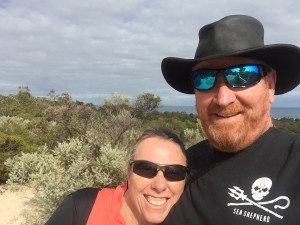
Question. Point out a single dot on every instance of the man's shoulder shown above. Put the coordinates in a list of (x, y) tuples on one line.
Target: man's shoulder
[(198, 154), (201, 148), (281, 136), (275, 131)]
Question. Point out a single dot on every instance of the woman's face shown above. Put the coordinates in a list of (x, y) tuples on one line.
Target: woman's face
[(149, 200)]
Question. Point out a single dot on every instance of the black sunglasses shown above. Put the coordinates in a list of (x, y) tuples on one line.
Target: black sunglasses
[(237, 76), (149, 169)]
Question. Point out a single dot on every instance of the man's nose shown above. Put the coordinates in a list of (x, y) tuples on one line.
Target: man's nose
[(224, 95)]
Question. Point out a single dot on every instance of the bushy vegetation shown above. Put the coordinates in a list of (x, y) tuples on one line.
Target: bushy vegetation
[(288, 124), (15, 137), (56, 145), (68, 167)]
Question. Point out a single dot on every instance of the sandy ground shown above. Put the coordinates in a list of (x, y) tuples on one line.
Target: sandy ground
[(12, 205)]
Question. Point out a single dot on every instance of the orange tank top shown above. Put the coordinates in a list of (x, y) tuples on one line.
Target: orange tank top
[(107, 207)]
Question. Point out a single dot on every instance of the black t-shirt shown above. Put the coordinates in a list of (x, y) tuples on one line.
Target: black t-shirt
[(259, 185)]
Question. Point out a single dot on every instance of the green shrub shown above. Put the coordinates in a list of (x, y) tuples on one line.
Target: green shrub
[(288, 124), (192, 136), (70, 166), (14, 138)]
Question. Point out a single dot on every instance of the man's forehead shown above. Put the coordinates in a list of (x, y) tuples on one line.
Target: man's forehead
[(225, 62)]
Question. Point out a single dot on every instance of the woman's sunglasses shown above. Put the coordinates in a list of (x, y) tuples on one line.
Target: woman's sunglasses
[(149, 169), (238, 76)]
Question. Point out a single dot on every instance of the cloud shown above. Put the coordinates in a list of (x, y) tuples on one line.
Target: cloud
[(95, 48)]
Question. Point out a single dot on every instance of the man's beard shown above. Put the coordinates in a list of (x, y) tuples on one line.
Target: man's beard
[(237, 135)]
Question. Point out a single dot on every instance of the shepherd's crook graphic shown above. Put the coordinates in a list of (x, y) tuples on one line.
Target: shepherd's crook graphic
[(238, 193)]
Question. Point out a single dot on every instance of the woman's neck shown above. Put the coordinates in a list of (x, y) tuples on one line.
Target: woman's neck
[(127, 213)]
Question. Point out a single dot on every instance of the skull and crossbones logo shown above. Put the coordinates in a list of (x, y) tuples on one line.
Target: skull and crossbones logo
[(260, 189)]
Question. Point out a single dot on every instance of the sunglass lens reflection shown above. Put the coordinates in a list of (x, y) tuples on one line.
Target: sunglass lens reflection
[(204, 80), (242, 76)]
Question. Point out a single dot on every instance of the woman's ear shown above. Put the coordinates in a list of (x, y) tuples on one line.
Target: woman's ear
[(128, 172)]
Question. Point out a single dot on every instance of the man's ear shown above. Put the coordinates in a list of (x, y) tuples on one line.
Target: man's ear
[(272, 77)]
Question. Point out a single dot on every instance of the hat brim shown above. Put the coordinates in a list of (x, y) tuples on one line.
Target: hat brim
[(284, 58)]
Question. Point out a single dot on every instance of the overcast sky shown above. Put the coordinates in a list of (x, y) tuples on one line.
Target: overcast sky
[(94, 48)]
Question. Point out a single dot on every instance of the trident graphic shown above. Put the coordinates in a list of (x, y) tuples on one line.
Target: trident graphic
[(238, 193)]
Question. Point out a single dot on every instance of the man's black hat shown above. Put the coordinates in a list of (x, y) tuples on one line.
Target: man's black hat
[(236, 35)]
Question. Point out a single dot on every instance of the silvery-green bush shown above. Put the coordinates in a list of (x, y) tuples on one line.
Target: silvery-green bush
[(15, 137), (13, 125), (193, 136), (54, 173)]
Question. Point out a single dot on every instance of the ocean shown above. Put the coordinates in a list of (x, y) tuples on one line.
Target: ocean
[(276, 112)]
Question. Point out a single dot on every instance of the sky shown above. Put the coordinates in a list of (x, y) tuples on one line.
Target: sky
[(93, 49)]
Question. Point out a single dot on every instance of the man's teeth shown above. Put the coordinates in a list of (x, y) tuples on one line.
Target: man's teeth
[(156, 201)]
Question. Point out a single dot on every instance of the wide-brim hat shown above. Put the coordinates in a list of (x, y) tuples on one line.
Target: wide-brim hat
[(236, 35)]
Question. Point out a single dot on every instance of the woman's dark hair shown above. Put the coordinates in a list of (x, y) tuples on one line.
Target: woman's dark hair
[(161, 132)]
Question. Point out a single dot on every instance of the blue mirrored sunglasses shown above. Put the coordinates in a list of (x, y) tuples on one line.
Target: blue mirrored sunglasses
[(238, 76)]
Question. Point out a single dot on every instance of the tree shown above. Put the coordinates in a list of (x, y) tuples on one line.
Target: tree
[(146, 103), (24, 89), (74, 119), (115, 120), (116, 103), (52, 95), (114, 128)]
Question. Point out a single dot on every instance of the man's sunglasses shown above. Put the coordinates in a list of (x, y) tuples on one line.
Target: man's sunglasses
[(238, 76), (149, 169)]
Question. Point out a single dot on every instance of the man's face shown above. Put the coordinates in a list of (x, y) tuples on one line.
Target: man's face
[(233, 118)]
